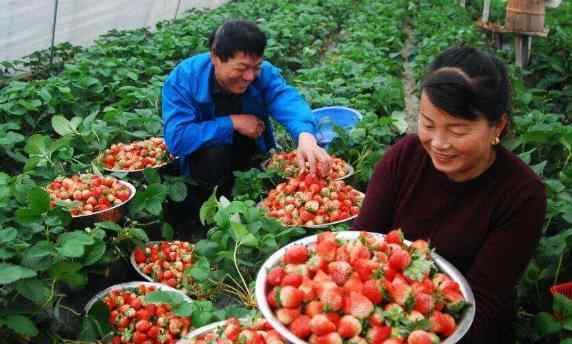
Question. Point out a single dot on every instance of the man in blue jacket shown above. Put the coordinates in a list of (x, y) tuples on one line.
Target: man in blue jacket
[(216, 109)]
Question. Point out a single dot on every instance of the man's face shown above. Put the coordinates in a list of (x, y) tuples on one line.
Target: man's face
[(238, 72)]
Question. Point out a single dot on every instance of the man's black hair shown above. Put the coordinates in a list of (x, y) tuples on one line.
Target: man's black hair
[(468, 84), (237, 36)]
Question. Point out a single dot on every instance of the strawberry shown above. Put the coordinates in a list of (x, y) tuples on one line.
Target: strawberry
[(334, 317), (232, 329), (340, 271), (314, 307), (422, 337), (332, 299), (394, 237), (271, 298), (421, 246), (353, 284), (373, 290), (357, 340), (330, 338), (424, 303), (399, 259), (349, 326), (358, 305), (287, 315), (443, 323), (291, 279), (378, 334), (290, 297), (140, 256), (327, 250), (308, 289), (376, 318), (442, 281), (342, 254), (399, 292), (389, 273), (275, 276), (366, 268), (296, 254), (359, 251), (321, 325), (301, 327)]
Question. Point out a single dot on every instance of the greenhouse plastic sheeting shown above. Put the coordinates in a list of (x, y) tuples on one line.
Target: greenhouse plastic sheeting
[(26, 26)]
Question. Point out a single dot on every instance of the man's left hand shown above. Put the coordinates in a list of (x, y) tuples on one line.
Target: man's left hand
[(317, 157)]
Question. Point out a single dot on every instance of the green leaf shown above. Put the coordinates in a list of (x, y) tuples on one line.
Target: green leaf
[(151, 199), (419, 267), (38, 200), (242, 234), (95, 253), (11, 138), (39, 257), (177, 191), (152, 176), (7, 235), (179, 305), (37, 145), (208, 210), (20, 324), (167, 232), (207, 248), (10, 273), (201, 269), (35, 290), (68, 272), (62, 126), (562, 305), (202, 313), (72, 244), (566, 341), (546, 324)]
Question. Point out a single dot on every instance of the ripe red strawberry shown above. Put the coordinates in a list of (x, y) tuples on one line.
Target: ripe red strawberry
[(421, 246), (314, 307), (378, 334), (442, 281), (308, 289), (357, 340), (353, 284), (321, 325), (453, 297), (296, 254), (393, 341), (424, 303), (339, 271), (301, 327), (358, 305), (290, 297), (399, 259), (443, 323), (349, 326), (373, 290), (366, 268), (342, 254), (332, 299), (327, 250), (287, 315), (394, 237), (359, 251), (377, 317), (334, 317), (232, 329), (330, 338), (293, 280), (140, 256), (399, 292), (271, 298), (316, 263), (275, 276), (422, 337), (389, 273)]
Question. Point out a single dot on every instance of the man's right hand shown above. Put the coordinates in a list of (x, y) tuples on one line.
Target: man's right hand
[(248, 125)]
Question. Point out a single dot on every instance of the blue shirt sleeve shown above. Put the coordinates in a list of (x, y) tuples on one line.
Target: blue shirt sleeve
[(184, 130), (287, 105)]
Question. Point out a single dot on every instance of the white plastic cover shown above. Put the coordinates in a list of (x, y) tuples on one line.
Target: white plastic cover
[(26, 26)]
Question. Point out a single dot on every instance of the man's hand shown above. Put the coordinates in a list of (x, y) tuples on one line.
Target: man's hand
[(308, 150), (248, 125)]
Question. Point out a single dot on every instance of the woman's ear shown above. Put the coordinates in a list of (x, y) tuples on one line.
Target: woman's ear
[(501, 125)]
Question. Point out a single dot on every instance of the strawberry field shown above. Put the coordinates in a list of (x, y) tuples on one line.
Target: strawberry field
[(65, 130)]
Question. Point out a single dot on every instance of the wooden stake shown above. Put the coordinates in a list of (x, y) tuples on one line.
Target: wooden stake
[(522, 47), (486, 10)]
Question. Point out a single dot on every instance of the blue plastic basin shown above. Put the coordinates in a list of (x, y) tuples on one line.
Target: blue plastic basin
[(329, 116)]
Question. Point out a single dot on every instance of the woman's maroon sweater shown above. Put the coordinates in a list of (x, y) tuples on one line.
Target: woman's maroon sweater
[(488, 227)]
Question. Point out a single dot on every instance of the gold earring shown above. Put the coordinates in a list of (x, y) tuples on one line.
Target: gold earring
[(496, 141)]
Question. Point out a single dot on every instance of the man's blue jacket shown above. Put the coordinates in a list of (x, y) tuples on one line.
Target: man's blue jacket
[(188, 109)]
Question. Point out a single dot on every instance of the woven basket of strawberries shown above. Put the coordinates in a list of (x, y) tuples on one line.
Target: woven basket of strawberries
[(235, 331), (286, 163), (164, 261), (133, 314), (363, 288), (135, 156), (312, 202)]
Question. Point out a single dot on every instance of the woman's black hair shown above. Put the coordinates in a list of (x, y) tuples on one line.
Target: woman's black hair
[(237, 36), (468, 84)]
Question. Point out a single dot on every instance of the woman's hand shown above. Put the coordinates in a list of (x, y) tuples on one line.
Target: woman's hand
[(317, 157)]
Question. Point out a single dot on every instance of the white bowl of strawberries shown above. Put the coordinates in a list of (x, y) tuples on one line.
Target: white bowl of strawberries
[(135, 156), (163, 261), (135, 321), (236, 331), (313, 202), (91, 198), (363, 288)]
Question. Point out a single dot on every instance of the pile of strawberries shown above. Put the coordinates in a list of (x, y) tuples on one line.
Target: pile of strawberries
[(258, 331), (165, 262), (307, 201), (137, 322), (136, 155), (287, 163), (369, 290), (90, 193)]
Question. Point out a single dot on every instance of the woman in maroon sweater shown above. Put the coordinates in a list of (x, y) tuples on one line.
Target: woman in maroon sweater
[(478, 204)]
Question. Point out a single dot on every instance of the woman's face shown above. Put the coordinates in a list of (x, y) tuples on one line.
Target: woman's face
[(462, 149)]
